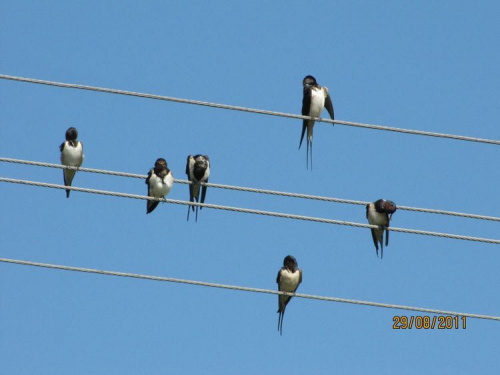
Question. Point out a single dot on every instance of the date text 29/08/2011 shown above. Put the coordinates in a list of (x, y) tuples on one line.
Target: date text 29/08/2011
[(429, 322)]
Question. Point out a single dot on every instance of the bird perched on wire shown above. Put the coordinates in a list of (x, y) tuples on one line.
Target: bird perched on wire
[(160, 180), (289, 279), (197, 170), (380, 213), (71, 155), (315, 98)]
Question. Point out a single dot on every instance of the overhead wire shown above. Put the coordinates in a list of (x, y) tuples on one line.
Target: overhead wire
[(245, 109), (263, 191), (252, 190), (245, 289), (298, 217), (250, 211)]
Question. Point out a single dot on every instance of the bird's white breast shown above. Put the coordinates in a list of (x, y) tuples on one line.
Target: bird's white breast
[(160, 188), (191, 168), (72, 156), (376, 218), (289, 281), (317, 102), (207, 173)]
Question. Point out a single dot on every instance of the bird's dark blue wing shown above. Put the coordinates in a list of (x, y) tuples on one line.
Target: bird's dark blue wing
[(374, 239), (147, 178), (306, 107), (306, 101), (203, 193), (329, 106), (187, 166)]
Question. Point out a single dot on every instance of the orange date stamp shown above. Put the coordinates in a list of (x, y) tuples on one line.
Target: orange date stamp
[(429, 322)]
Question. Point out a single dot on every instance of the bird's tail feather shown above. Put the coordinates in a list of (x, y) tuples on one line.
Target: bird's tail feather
[(304, 126)]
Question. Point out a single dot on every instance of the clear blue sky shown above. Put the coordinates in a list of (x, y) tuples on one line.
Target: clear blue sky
[(429, 65)]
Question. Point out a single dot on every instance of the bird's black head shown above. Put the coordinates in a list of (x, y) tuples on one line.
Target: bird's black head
[(309, 80), (380, 205), (160, 162), (390, 207), (161, 166), (71, 134), (291, 263), (201, 162)]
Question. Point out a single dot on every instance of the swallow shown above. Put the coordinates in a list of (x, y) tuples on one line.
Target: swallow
[(71, 155), (160, 180), (197, 170), (289, 279), (315, 98), (380, 213)]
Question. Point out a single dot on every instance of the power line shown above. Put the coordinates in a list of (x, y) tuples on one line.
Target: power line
[(251, 211), (245, 289), (252, 190), (245, 109)]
